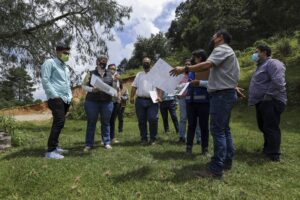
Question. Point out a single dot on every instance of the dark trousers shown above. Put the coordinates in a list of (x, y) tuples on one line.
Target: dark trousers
[(59, 110), (113, 118), (165, 107), (147, 111), (200, 112), (268, 120), (121, 118)]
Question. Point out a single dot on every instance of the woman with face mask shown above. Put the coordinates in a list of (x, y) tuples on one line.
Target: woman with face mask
[(98, 102)]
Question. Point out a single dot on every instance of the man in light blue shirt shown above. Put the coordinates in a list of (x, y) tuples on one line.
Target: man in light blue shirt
[(57, 85)]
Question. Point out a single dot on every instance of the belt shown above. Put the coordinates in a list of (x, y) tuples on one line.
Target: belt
[(219, 91), (143, 97)]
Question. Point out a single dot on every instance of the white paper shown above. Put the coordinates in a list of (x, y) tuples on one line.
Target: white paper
[(159, 76), (153, 95), (99, 84), (180, 89)]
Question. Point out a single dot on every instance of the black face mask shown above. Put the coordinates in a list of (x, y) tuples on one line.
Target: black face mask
[(211, 46), (193, 61), (146, 66), (102, 65)]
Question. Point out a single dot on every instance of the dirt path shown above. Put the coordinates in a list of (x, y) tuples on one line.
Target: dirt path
[(33, 117)]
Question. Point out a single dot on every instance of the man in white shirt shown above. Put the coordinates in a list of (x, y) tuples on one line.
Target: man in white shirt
[(146, 110)]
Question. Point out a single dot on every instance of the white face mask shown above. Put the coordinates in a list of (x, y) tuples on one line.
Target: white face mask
[(255, 57)]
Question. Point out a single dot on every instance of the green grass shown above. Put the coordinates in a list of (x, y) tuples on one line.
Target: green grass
[(163, 171)]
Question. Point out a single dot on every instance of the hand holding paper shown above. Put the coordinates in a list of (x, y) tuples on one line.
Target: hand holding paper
[(100, 85)]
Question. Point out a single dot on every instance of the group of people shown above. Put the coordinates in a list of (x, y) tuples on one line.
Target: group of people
[(206, 105)]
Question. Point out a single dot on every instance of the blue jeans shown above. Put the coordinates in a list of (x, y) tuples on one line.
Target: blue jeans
[(183, 119), (221, 104), (147, 111), (170, 106), (93, 109)]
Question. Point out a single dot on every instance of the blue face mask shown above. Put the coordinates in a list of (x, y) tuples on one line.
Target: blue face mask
[(255, 57)]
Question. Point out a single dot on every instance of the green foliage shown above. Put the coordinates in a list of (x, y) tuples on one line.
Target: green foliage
[(247, 21), (16, 88), (30, 29), (7, 124), (153, 47), (77, 111), (283, 48)]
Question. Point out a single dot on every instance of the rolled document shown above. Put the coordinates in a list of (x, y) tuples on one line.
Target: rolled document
[(99, 84)]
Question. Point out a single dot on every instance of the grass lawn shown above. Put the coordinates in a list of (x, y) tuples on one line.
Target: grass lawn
[(162, 171)]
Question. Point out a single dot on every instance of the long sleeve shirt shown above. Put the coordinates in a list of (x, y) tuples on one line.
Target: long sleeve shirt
[(268, 82), (56, 80)]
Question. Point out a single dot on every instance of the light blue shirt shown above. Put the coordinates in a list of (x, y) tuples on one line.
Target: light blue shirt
[(56, 80)]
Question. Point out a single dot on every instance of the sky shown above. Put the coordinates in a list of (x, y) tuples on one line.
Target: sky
[(147, 17)]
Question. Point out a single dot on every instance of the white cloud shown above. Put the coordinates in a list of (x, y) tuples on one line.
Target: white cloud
[(141, 22)]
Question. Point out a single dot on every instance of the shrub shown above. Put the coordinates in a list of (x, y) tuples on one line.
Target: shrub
[(7, 124), (77, 111), (284, 48)]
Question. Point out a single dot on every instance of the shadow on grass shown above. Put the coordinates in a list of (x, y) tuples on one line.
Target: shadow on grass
[(187, 173), (172, 155), (128, 143), (136, 174), (252, 158), (74, 151)]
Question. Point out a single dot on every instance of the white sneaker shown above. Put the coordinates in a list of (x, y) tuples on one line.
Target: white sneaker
[(61, 151), (87, 149), (107, 146), (53, 155), (115, 141)]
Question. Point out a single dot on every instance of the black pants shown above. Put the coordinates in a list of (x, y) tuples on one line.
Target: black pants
[(59, 110), (113, 118), (268, 120), (198, 111), (165, 107), (121, 118)]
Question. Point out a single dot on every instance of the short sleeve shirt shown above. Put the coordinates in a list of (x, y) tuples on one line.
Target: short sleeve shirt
[(226, 70), (143, 86)]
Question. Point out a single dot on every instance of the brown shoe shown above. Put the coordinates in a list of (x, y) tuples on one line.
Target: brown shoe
[(208, 174)]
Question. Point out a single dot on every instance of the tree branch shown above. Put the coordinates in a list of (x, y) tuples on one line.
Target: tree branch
[(45, 24)]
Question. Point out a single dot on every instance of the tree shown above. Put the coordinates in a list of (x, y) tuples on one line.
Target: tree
[(30, 29), (122, 66), (154, 47), (17, 85), (247, 20)]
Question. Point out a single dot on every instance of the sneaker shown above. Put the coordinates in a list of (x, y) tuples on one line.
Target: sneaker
[(181, 140), (115, 141), (144, 142), (87, 149), (152, 142), (107, 146), (59, 150), (53, 155), (188, 150), (208, 174), (205, 153)]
